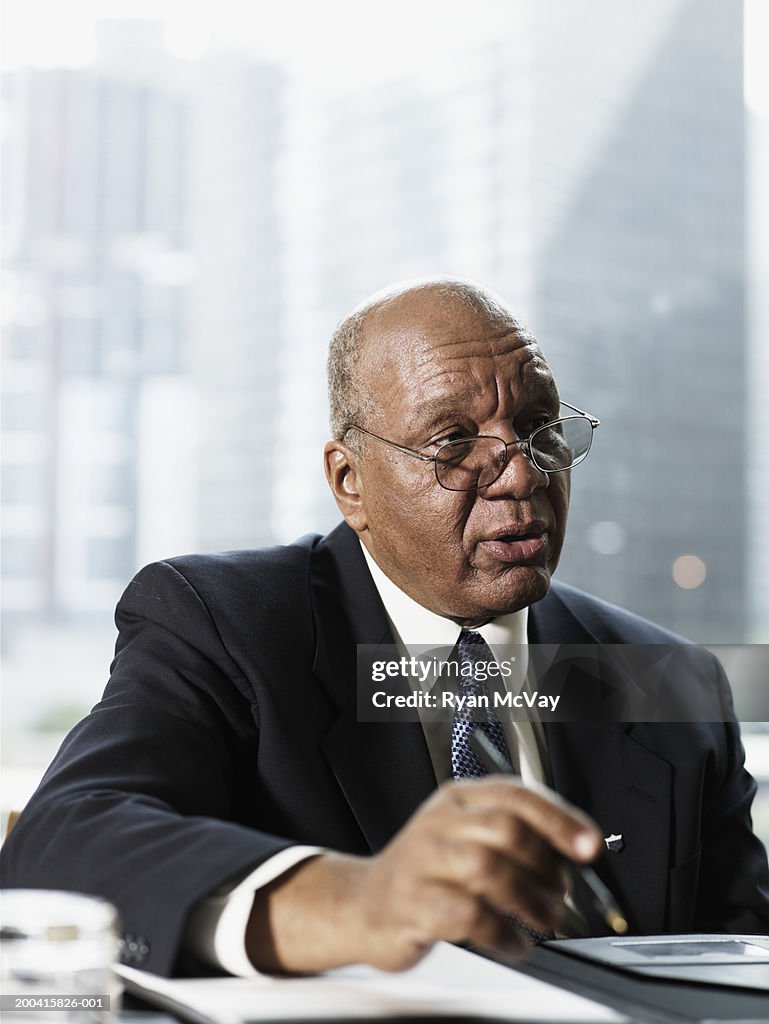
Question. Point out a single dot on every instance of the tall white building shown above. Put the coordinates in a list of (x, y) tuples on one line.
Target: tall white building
[(235, 314), (95, 271)]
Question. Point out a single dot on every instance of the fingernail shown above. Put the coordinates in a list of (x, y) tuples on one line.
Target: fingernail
[(584, 845)]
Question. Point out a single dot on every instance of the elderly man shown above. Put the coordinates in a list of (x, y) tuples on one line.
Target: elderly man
[(223, 793)]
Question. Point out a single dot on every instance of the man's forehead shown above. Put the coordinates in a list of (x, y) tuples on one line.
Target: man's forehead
[(477, 377), (444, 353)]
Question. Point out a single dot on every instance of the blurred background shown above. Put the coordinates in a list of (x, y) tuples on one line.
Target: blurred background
[(193, 195)]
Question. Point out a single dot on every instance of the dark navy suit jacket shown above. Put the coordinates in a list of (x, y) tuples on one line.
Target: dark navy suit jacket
[(228, 731)]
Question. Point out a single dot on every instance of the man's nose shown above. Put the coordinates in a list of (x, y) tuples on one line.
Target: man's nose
[(519, 479)]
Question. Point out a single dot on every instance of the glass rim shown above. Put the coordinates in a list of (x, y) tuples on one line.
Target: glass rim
[(444, 468), (524, 444)]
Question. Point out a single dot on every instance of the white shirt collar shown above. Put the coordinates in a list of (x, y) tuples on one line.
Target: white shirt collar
[(414, 626)]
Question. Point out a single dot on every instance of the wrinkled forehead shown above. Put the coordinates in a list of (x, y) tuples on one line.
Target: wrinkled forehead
[(469, 362)]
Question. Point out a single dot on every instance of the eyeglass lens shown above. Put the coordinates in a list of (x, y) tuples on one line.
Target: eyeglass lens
[(479, 461)]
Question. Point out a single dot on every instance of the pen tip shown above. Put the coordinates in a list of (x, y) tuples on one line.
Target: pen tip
[(617, 923)]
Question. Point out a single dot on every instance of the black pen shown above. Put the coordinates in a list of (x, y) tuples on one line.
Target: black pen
[(593, 896)]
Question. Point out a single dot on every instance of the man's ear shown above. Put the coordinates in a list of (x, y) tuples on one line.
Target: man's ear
[(342, 472)]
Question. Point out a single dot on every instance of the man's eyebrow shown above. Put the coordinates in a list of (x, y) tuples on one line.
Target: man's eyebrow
[(547, 390), (438, 412)]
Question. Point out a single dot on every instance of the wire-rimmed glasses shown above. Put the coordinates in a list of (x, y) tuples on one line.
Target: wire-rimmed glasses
[(475, 462)]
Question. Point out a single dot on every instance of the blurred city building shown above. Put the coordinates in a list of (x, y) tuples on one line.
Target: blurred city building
[(95, 268), (235, 308), (640, 296)]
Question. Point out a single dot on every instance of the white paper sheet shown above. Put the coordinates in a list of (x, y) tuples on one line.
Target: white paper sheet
[(448, 982)]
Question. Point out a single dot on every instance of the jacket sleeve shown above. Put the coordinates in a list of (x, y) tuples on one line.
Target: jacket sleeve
[(139, 806)]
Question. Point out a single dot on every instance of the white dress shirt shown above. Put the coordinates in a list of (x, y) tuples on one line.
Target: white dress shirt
[(216, 928)]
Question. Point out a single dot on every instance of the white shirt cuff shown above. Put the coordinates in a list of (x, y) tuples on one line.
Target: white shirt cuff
[(216, 928)]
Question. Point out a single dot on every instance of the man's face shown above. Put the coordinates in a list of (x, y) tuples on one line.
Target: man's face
[(434, 370)]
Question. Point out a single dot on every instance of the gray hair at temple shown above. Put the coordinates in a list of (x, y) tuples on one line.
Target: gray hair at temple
[(347, 399)]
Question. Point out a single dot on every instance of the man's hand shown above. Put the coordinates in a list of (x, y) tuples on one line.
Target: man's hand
[(473, 853)]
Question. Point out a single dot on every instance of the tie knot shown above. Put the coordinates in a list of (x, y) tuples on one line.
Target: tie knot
[(472, 647), (469, 639)]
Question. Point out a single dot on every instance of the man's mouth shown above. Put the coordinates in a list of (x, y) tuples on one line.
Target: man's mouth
[(516, 544)]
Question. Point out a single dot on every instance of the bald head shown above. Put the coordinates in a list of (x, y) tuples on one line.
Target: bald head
[(392, 315)]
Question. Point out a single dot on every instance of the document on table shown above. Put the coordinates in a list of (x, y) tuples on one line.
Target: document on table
[(449, 982), (735, 960)]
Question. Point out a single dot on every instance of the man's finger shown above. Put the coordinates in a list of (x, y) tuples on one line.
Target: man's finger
[(502, 884), (457, 915), (513, 838), (564, 827)]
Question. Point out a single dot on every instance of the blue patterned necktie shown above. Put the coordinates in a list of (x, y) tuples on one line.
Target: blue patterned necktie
[(465, 764), (471, 649)]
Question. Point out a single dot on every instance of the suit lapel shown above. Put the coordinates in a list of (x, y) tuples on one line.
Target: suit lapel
[(609, 770), (383, 769)]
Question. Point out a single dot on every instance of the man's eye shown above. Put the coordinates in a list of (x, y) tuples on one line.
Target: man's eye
[(452, 435)]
